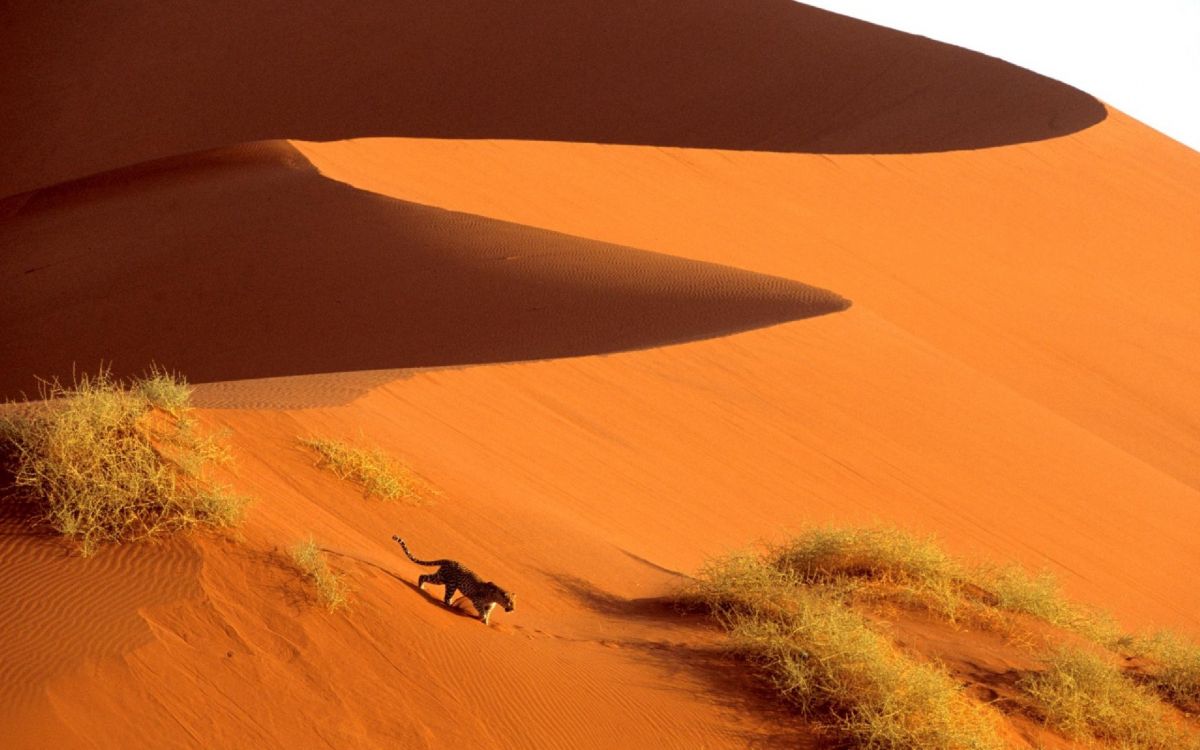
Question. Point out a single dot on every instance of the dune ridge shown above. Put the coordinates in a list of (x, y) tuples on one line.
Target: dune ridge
[(771, 75), (412, 286), (588, 307)]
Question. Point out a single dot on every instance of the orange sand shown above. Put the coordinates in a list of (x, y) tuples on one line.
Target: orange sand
[(674, 370)]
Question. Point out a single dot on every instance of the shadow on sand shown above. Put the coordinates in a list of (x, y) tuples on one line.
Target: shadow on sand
[(728, 680), (247, 263), (769, 75)]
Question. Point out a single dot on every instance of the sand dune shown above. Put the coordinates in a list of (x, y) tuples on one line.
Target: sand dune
[(244, 256), (774, 75), (602, 275)]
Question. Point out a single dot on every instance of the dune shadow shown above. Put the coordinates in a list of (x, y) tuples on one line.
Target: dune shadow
[(728, 680), (602, 602), (770, 75), (247, 263), (733, 684)]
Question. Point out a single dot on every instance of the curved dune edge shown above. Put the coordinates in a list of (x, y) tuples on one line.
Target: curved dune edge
[(763, 75), (1063, 269), (246, 263), (1017, 374)]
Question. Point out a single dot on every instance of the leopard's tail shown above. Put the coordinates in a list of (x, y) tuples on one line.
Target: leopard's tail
[(430, 563)]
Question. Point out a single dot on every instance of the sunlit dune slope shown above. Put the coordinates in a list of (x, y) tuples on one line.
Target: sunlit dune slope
[(104, 87), (246, 263), (1063, 269), (602, 274)]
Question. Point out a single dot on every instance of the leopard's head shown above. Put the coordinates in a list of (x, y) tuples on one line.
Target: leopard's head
[(510, 602)]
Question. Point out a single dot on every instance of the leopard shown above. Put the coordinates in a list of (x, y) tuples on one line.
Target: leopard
[(455, 576)]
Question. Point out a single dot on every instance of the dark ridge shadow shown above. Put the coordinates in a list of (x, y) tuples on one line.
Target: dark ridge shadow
[(768, 75), (247, 263)]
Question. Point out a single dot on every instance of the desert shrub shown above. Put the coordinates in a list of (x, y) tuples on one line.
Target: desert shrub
[(1085, 697), (899, 563), (831, 664), (378, 473), (331, 588), (889, 563), (1016, 590), (1175, 669), (108, 463)]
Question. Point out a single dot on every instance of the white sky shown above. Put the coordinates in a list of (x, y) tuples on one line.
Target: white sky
[(1140, 56)]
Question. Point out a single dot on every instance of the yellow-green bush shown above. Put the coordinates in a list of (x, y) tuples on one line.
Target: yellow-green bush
[(331, 587), (830, 663), (1086, 697), (108, 463), (378, 473)]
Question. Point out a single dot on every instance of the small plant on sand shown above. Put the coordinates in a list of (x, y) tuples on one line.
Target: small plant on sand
[(803, 612), (1086, 697), (833, 665), (1175, 673), (106, 462), (1016, 590), (377, 472), (875, 561), (331, 587)]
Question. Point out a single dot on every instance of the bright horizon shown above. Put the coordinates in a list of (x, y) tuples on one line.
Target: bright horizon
[(1142, 58)]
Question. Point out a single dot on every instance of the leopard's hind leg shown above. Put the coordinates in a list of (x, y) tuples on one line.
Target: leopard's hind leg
[(428, 578), (450, 589)]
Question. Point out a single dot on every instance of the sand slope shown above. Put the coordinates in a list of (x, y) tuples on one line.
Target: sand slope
[(256, 266), (118, 84), (614, 358)]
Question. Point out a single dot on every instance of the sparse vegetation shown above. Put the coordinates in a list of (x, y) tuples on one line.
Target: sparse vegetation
[(331, 587), (377, 472), (795, 611), (829, 662), (1016, 590), (104, 462), (1176, 669), (875, 562), (1085, 697)]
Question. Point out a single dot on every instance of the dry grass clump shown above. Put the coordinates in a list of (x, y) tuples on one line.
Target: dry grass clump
[(1175, 673), (1085, 697), (377, 472), (1016, 590), (110, 463), (887, 563), (331, 587), (830, 663), (792, 611), (891, 562)]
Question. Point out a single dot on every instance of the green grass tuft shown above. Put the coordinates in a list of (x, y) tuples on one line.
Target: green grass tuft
[(331, 587), (108, 463), (378, 473)]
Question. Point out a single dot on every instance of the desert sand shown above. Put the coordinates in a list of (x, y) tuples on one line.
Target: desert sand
[(630, 285)]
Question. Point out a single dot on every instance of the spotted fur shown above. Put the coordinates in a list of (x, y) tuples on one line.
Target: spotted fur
[(455, 576)]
